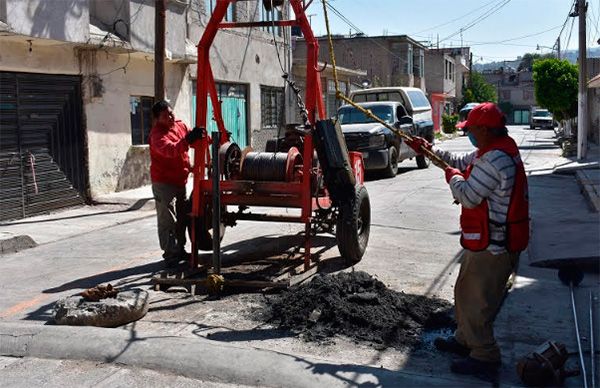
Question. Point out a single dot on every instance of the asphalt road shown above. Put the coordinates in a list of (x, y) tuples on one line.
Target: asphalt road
[(413, 248)]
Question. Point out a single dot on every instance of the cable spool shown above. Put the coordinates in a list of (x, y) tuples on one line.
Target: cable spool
[(271, 166)]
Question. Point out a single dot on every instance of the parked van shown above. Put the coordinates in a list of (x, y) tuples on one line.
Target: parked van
[(417, 106)]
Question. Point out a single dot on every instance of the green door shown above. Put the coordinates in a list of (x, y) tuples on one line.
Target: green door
[(233, 110)]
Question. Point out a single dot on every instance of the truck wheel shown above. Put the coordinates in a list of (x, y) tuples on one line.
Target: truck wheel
[(353, 226), (392, 168), (422, 161)]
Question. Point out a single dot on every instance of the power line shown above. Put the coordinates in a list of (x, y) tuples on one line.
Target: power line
[(479, 19), (517, 38), (453, 20)]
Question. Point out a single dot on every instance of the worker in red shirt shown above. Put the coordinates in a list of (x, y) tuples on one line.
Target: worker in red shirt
[(169, 142)]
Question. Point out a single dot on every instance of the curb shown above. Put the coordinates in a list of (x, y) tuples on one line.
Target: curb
[(589, 186), (197, 358)]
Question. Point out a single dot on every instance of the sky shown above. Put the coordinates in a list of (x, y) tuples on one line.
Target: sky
[(533, 22)]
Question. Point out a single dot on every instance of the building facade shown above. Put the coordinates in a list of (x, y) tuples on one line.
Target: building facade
[(515, 93), (77, 85), (388, 60)]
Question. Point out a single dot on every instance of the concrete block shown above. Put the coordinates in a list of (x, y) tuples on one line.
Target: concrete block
[(14, 244), (127, 307)]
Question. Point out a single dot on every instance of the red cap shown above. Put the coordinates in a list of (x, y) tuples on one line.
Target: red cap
[(486, 115)]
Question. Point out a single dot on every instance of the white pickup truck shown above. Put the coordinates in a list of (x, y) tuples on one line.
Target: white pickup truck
[(541, 118), (406, 108)]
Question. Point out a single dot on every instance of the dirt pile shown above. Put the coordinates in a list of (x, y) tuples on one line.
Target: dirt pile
[(360, 307)]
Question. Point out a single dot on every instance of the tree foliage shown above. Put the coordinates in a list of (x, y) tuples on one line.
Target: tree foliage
[(479, 90), (555, 87), (528, 59)]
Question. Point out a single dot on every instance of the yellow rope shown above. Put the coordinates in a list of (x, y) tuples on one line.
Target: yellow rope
[(340, 96)]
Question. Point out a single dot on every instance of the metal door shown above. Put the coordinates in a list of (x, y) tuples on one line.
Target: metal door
[(233, 110), (41, 144)]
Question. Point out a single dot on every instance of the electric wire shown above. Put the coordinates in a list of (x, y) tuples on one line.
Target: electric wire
[(453, 20), (478, 20)]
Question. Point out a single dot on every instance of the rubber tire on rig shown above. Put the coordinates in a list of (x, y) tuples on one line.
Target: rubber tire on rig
[(353, 226), (392, 168)]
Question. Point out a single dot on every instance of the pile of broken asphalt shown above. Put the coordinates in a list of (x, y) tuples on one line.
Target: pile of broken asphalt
[(360, 307)]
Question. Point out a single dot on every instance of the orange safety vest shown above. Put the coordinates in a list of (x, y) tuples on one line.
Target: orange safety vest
[(475, 223)]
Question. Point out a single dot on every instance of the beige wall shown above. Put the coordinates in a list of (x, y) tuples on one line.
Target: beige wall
[(107, 117)]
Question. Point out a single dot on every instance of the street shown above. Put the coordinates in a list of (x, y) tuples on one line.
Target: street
[(413, 247)]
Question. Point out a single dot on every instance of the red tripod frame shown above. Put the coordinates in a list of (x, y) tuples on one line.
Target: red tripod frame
[(253, 193)]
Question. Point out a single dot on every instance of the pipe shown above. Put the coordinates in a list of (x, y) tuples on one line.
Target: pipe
[(581, 361), (592, 350), (216, 204)]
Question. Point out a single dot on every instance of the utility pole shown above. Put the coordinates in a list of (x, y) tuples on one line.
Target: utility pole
[(160, 7), (470, 70), (582, 113), (558, 48)]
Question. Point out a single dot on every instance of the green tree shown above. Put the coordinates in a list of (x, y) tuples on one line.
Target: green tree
[(555, 87), (528, 59), (479, 90)]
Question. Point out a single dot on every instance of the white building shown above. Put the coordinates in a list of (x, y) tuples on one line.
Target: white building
[(77, 84)]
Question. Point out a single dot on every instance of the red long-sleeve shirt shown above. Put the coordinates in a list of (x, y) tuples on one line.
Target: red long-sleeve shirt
[(170, 162)]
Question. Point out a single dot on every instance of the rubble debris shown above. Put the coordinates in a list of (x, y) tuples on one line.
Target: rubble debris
[(358, 306), (94, 294)]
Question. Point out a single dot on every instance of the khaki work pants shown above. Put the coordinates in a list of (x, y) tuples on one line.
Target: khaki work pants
[(478, 295), (171, 217)]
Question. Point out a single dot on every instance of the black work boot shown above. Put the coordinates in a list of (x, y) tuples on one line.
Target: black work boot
[(484, 370), (451, 345)]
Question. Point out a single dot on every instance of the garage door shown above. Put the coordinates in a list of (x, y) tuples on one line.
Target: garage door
[(41, 144)]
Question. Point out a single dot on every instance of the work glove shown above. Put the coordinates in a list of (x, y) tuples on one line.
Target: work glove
[(450, 172), (195, 134), (416, 142)]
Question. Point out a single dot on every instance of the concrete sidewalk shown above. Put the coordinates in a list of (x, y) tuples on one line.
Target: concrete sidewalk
[(108, 211)]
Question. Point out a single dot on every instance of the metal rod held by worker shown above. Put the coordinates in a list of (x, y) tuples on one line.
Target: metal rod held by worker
[(436, 160), (592, 346), (581, 361), (216, 203)]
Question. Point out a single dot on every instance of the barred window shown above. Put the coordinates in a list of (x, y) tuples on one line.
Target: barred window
[(229, 15), (141, 118), (269, 16), (272, 106)]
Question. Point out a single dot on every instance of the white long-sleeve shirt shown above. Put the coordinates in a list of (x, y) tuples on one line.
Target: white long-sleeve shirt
[(492, 178)]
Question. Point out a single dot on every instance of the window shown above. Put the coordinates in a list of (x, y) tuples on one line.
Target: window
[(409, 64), (418, 99), (141, 118), (332, 102), (505, 95), (421, 63), (528, 95), (3, 11), (272, 106), (230, 14), (273, 15)]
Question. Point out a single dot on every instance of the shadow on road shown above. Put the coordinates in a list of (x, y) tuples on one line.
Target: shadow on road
[(136, 206), (144, 271)]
